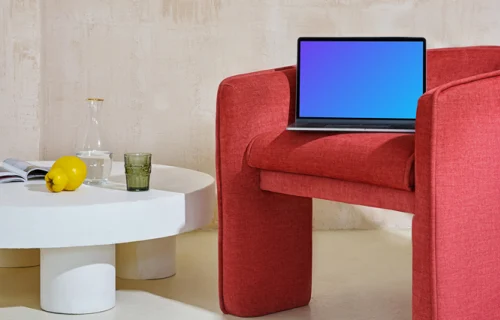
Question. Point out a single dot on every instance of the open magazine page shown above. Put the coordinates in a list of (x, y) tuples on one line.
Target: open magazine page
[(7, 176), (25, 169)]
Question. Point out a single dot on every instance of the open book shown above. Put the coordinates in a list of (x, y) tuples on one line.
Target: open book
[(14, 170)]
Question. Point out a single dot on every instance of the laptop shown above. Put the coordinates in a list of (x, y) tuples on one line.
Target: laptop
[(361, 84)]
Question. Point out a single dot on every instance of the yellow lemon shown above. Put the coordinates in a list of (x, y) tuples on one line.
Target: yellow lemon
[(56, 180), (67, 173)]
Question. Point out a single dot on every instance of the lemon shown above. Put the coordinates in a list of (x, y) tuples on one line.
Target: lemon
[(67, 173), (56, 180)]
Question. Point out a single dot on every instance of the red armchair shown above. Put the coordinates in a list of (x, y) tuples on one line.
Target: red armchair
[(447, 174)]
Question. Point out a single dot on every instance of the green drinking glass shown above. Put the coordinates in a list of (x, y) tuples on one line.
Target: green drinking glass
[(137, 171)]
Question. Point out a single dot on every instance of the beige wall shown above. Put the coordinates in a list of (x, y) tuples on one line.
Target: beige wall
[(19, 79), (158, 63)]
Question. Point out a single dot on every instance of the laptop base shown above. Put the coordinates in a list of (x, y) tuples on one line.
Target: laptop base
[(349, 128)]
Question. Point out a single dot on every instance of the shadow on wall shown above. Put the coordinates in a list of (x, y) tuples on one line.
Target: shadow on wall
[(329, 215)]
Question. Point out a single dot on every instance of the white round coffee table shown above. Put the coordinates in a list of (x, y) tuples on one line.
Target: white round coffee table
[(77, 232)]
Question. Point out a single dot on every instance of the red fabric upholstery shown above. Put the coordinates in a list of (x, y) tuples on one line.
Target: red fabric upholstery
[(456, 228), (379, 159), (449, 64), (265, 216), (337, 190), (265, 239)]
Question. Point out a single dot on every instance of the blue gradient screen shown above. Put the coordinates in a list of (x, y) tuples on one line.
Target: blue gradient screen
[(360, 79)]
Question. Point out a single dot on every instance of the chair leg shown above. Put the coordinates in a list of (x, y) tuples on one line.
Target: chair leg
[(456, 265), (265, 251), (423, 299)]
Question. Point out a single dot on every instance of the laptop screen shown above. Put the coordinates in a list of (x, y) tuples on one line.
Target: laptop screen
[(362, 79)]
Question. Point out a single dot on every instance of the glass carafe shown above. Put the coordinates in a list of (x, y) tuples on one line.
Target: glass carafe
[(93, 147)]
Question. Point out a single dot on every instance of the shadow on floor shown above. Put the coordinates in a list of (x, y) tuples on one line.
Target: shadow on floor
[(356, 275), (20, 287)]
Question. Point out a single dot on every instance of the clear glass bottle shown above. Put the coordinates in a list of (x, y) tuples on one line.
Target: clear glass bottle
[(92, 146)]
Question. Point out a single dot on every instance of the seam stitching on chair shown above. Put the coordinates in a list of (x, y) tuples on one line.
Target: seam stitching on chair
[(249, 148), (220, 205), (407, 171)]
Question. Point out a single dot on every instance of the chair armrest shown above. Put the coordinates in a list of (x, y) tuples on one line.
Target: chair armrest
[(251, 219), (248, 105), (458, 124), (253, 103), (457, 201)]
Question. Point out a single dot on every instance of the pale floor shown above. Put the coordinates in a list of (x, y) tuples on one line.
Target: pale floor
[(357, 275)]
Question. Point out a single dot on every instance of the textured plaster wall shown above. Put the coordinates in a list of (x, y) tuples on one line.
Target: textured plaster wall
[(19, 79), (158, 63)]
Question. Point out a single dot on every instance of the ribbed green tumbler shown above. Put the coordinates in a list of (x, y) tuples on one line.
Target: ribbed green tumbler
[(138, 171)]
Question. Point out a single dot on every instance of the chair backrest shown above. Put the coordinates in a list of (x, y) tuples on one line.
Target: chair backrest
[(449, 64)]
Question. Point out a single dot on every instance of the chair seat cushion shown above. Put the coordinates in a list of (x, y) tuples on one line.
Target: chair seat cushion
[(383, 159)]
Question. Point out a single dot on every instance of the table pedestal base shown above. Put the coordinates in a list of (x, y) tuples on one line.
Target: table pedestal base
[(77, 280), (146, 260)]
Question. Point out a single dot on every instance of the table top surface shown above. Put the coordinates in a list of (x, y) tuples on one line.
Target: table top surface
[(179, 200)]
